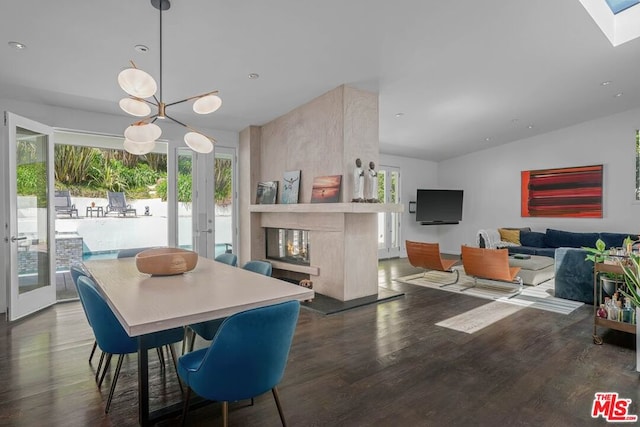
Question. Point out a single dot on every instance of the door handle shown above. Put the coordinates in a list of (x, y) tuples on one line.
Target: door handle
[(206, 231), (14, 238)]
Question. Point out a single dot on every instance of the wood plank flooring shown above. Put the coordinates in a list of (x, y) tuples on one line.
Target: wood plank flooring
[(382, 365)]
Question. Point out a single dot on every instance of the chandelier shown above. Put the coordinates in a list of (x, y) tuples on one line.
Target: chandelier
[(141, 136)]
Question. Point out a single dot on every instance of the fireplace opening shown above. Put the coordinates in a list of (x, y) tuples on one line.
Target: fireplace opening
[(288, 245)]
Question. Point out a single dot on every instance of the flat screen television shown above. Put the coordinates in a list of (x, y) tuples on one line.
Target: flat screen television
[(439, 206)]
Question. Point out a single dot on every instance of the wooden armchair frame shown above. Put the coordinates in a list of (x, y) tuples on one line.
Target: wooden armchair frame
[(491, 264), (427, 256)]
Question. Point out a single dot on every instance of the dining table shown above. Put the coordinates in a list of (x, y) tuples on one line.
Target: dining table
[(212, 290)]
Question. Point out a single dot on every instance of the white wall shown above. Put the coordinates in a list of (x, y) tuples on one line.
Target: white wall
[(491, 179)]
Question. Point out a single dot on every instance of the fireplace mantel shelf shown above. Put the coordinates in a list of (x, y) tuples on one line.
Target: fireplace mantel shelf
[(350, 208)]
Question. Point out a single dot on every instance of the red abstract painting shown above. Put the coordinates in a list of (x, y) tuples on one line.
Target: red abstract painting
[(574, 192)]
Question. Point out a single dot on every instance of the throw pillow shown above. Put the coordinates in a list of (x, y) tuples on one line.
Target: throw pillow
[(512, 236)]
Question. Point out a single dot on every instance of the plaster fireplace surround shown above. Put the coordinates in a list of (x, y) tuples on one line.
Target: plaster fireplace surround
[(320, 138)]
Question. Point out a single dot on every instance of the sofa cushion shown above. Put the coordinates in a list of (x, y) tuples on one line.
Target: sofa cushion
[(508, 235), (613, 240), (559, 239), (521, 250), (532, 238), (548, 252)]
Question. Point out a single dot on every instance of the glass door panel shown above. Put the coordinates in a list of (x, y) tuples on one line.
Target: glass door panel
[(184, 198), (32, 271), (223, 198), (389, 223)]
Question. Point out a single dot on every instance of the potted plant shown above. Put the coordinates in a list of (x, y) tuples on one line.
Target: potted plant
[(631, 271), (610, 281)]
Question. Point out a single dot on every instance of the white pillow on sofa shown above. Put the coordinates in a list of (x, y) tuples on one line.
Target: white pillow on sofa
[(491, 238)]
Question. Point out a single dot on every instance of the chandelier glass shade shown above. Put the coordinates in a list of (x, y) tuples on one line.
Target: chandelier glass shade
[(142, 101)]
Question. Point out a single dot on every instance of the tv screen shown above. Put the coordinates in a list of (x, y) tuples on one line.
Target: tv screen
[(439, 206)]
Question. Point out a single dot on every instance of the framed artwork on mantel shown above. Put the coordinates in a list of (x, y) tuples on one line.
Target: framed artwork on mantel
[(290, 187), (573, 192), (326, 189), (267, 193)]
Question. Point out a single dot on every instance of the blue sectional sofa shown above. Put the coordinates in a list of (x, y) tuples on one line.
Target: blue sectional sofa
[(573, 275)]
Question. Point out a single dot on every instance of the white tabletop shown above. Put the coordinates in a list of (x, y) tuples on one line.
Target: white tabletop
[(212, 290)]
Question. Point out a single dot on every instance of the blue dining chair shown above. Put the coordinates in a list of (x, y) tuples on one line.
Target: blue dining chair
[(131, 252), (246, 358), (207, 330), (228, 258), (76, 272), (111, 336), (260, 267)]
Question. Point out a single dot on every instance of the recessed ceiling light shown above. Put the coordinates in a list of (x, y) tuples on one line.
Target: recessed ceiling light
[(607, 83), (254, 76), (141, 48), (530, 127), (487, 139), (18, 45), (618, 95), (399, 114)]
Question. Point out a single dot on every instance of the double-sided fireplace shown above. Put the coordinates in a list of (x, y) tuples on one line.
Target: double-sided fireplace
[(287, 245)]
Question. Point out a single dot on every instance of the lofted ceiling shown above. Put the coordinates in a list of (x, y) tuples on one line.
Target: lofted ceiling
[(452, 77)]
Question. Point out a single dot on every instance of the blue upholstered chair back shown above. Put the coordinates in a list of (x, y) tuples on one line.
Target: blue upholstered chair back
[(131, 252), (231, 259), (111, 336), (248, 355), (260, 267), (76, 273)]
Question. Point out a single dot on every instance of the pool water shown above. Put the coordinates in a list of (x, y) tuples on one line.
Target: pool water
[(88, 256)]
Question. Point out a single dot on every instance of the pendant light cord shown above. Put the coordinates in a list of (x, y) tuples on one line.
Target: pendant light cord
[(161, 1)]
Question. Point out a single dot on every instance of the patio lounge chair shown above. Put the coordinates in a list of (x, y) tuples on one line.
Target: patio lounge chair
[(118, 204), (63, 205)]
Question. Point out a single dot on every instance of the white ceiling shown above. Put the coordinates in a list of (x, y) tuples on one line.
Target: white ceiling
[(460, 71)]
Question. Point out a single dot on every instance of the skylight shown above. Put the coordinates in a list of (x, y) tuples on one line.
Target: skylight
[(618, 6), (619, 20)]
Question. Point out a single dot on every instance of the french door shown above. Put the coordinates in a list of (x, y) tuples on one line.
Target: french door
[(388, 222), (207, 224), (29, 221)]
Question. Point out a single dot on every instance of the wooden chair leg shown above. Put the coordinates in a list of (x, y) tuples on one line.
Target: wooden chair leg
[(185, 406), (225, 414), (93, 350), (106, 368), (113, 383), (277, 399)]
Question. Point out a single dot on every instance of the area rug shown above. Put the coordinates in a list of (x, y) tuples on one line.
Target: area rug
[(539, 297), (327, 305)]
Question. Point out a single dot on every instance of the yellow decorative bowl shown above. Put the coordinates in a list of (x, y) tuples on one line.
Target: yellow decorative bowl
[(166, 261)]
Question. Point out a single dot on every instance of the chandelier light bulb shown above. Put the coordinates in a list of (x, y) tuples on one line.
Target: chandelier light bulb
[(207, 104), (143, 132), (137, 83), (198, 142), (135, 107), (138, 148)]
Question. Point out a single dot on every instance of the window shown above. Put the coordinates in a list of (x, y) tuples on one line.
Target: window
[(638, 165)]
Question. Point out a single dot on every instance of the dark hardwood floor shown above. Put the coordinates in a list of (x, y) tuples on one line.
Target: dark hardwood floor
[(383, 365)]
